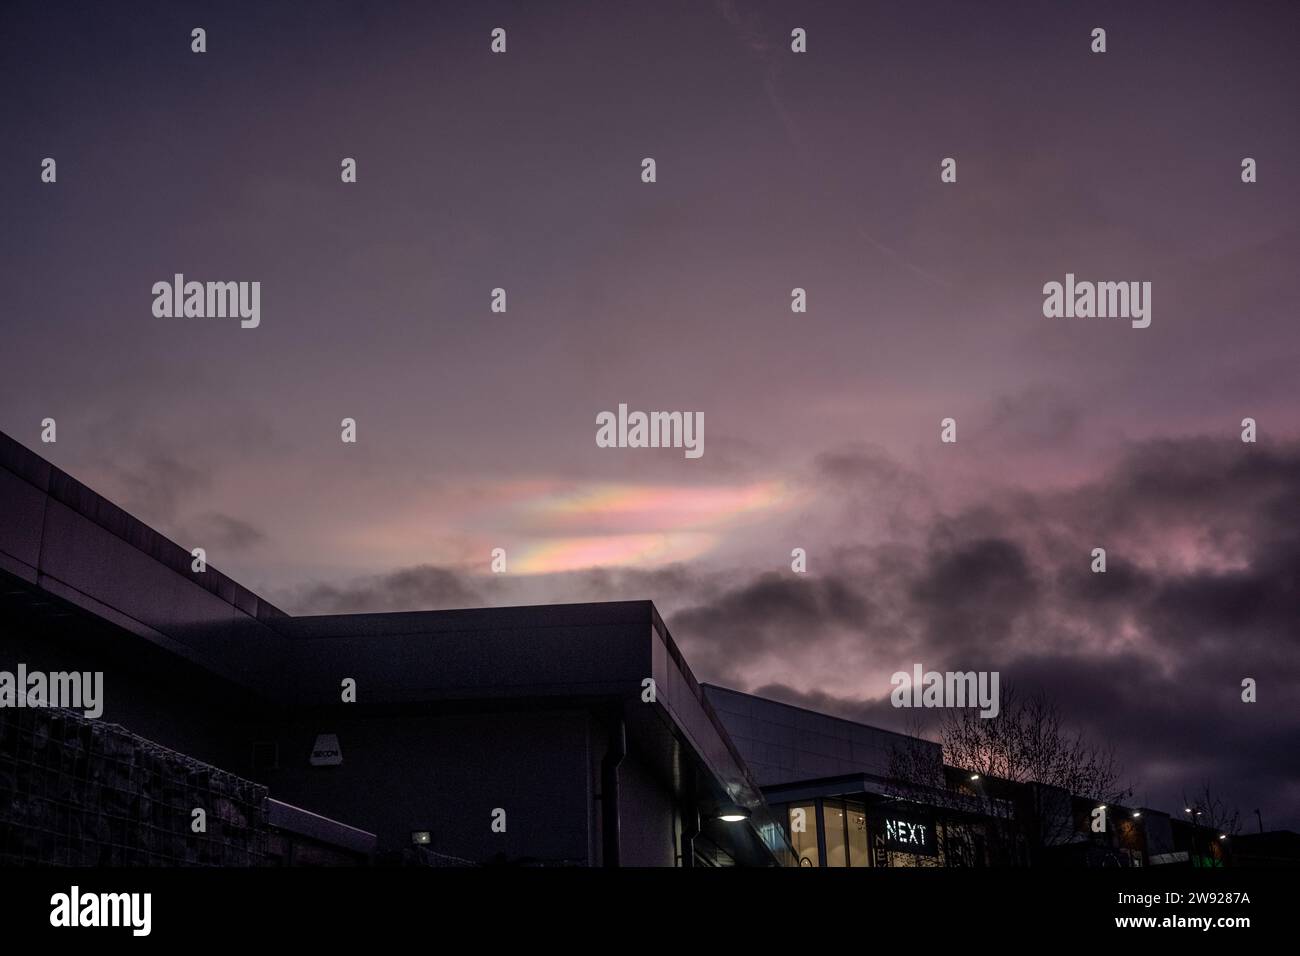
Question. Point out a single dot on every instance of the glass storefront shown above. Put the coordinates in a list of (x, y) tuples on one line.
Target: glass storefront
[(839, 832), (843, 826)]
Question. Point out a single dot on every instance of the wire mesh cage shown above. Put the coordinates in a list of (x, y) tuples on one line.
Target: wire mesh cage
[(78, 792)]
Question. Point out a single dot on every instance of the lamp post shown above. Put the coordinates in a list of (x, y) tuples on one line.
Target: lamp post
[(1195, 812), (1141, 831)]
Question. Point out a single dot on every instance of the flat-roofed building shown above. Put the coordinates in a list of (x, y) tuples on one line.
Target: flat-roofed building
[(564, 734)]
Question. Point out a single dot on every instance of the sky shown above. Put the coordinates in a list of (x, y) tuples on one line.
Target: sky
[(774, 170)]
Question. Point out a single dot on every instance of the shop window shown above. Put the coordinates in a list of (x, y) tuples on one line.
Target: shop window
[(859, 849), (802, 827), (837, 846)]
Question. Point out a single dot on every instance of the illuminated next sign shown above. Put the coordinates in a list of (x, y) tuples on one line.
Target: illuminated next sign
[(908, 836)]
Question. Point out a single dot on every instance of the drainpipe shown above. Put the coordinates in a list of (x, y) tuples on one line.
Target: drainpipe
[(609, 793), (690, 816), (690, 830)]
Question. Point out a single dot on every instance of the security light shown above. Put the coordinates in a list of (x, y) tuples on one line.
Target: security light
[(421, 837)]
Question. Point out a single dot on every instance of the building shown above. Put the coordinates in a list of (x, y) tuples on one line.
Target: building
[(514, 735), (830, 780), (563, 735)]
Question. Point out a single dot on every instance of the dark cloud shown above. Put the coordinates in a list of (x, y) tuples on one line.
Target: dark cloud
[(219, 531), (423, 588), (1202, 589), (975, 594), (876, 712), (775, 614), (1174, 731)]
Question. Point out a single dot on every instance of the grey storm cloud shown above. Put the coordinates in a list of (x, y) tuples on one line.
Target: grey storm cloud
[(408, 589), (1149, 655), (772, 614)]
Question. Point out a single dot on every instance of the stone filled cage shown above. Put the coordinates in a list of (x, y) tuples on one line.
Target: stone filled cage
[(79, 792)]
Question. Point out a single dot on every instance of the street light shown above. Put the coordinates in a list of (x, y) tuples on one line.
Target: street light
[(1195, 812)]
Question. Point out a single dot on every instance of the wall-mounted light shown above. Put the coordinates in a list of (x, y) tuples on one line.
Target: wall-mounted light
[(421, 837), (733, 813)]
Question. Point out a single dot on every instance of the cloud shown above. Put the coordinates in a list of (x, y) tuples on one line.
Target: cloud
[(226, 533), (776, 616), (1202, 589), (156, 487), (1035, 417), (971, 597), (420, 588)]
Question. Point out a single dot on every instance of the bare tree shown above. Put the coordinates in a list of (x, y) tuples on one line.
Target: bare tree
[(917, 776), (1211, 818), (1028, 767)]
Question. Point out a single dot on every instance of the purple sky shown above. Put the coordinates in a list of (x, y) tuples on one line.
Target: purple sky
[(775, 170)]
